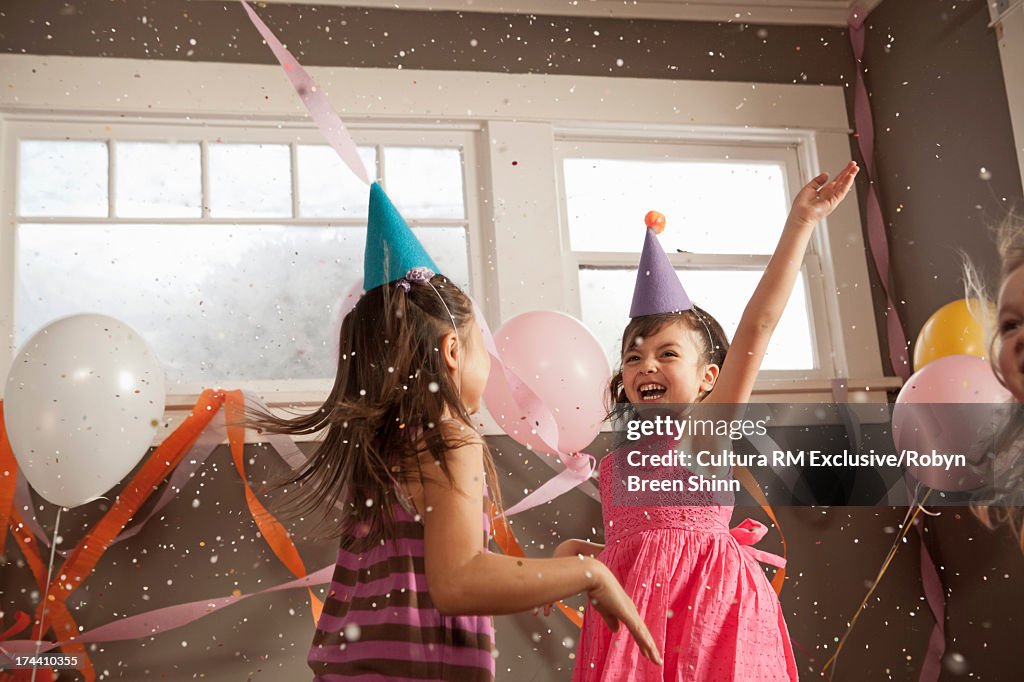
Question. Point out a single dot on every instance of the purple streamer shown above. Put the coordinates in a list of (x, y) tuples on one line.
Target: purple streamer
[(936, 598), (877, 241)]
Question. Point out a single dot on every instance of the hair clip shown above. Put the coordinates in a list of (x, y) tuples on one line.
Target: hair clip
[(419, 274)]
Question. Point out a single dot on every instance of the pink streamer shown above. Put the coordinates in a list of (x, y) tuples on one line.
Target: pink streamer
[(539, 414), (163, 619), (326, 119), (577, 468), (334, 131), (877, 241), (341, 309), (936, 598)]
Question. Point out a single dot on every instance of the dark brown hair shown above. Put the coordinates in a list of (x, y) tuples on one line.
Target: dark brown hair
[(714, 346), (385, 410)]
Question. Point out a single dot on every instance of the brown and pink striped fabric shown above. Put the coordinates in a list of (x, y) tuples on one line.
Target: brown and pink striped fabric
[(379, 623)]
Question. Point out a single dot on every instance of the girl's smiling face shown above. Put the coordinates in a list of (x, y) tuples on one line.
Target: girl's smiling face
[(667, 367), (1011, 333)]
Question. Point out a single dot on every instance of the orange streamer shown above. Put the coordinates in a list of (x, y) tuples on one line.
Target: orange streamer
[(60, 618), (161, 463), (10, 518), (86, 554), (747, 480), (273, 532), (21, 622), (8, 479), (506, 540), (27, 544), (42, 675)]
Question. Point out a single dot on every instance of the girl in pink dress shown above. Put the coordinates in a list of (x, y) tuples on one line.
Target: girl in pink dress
[(697, 584)]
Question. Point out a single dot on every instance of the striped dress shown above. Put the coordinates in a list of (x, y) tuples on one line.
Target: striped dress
[(379, 623)]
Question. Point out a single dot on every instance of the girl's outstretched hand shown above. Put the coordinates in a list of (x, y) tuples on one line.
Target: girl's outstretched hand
[(614, 606), (818, 198)]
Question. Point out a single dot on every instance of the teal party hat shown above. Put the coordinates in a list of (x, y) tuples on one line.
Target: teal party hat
[(391, 247)]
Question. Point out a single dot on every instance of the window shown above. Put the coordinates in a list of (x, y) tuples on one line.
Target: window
[(228, 250), (239, 235), (725, 208)]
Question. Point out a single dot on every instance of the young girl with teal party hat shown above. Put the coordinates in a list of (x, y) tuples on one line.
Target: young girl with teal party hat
[(414, 585), (706, 600)]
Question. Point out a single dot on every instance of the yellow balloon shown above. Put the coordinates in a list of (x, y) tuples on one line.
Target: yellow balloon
[(953, 330)]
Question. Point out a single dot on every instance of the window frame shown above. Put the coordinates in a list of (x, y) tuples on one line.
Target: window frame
[(61, 128), (682, 147), (518, 258)]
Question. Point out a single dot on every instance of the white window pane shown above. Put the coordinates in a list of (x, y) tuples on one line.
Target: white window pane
[(250, 180), (606, 294), (605, 297), (255, 302), (447, 246), (425, 182), (62, 178), (327, 187), (158, 180), (711, 207)]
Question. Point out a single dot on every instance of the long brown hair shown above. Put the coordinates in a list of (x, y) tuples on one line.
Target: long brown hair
[(386, 409), (713, 340)]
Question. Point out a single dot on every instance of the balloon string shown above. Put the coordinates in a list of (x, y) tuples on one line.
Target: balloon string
[(908, 522), (46, 592)]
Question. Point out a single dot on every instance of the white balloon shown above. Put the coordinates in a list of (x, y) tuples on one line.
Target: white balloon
[(82, 403)]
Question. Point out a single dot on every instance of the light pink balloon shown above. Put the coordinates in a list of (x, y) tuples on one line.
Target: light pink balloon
[(563, 363), (942, 407)]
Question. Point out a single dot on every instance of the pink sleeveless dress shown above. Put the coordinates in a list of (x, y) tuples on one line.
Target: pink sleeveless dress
[(697, 585)]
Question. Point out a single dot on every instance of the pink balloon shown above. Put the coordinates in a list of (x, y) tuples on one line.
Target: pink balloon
[(561, 361), (942, 407)]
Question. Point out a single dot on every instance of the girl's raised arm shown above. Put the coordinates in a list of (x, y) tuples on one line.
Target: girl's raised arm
[(463, 579), (743, 361)]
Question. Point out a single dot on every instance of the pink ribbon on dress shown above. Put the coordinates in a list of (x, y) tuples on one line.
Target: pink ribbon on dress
[(748, 533)]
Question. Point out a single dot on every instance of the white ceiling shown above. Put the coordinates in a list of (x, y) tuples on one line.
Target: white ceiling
[(815, 12)]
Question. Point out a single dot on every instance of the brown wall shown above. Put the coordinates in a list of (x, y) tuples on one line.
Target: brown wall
[(339, 36), (941, 115), (953, 97)]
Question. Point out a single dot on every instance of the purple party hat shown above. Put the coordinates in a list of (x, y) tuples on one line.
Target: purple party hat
[(657, 289)]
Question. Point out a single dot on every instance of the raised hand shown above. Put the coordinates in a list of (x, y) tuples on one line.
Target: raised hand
[(818, 198)]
